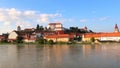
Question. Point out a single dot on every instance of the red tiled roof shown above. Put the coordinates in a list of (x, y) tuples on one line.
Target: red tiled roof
[(88, 35), (54, 23)]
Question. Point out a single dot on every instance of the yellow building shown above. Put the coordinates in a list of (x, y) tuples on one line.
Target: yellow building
[(59, 37)]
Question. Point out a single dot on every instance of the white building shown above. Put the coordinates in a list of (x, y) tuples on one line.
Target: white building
[(12, 36), (55, 26)]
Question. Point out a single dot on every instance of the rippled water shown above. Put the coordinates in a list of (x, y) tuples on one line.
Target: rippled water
[(60, 56)]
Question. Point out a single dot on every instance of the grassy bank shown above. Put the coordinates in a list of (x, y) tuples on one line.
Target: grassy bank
[(58, 43)]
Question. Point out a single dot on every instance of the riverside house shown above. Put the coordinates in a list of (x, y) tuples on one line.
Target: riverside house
[(103, 36), (54, 31), (1, 37), (28, 35), (60, 37)]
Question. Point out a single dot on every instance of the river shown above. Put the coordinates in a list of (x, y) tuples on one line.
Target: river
[(60, 56)]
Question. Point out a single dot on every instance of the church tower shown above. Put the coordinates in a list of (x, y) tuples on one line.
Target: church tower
[(116, 29), (18, 28), (85, 28)]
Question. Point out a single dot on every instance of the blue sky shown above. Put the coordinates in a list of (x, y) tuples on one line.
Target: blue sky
[(97, 15)]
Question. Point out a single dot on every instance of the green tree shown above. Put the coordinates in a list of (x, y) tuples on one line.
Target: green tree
[(92, 39), (19, 39), (40, 41), (45, 41), (41, 28), (37, 27), (50, 42)]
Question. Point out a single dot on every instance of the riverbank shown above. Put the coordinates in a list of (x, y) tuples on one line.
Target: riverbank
[(60, 43)]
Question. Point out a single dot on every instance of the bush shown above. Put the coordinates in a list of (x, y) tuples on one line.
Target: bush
[(40, 41), (45, 41), (50, 42), (19, 39), (60, 42), (92, 39), (72, 41)]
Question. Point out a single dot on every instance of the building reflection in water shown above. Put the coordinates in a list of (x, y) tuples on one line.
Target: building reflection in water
[(53, 55), (89, 49), (44, 56), (60, 56)]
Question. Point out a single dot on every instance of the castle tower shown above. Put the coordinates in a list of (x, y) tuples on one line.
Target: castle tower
[(18, 28), (116, 29), (85, 28)]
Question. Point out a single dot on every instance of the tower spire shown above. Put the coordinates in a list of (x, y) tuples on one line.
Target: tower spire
[(116, 29), (18, 28)]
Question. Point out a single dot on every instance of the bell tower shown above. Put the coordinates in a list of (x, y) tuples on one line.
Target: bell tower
[(18, 28), (116, 29)]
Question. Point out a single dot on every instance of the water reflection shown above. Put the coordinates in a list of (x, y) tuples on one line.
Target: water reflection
[(8, 56), (60, 56)]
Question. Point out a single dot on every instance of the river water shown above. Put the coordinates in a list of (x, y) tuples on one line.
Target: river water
[(60, 56)]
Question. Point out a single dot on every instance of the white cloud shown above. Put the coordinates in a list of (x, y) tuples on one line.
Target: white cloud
[(46, 18), (7, 23), (27, 18), (14, 16), (29, 12)]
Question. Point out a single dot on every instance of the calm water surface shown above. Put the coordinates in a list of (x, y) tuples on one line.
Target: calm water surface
[(60, 56)]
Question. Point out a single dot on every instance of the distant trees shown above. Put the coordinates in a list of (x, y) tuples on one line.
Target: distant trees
[(74, 29), (69, 30), (77, 30), (40, 41), (39, 27), (44, 41)]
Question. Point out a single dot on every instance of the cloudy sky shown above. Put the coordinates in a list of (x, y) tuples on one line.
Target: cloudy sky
[(97, 15)]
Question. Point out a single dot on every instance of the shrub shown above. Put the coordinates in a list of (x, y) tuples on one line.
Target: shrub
[(45, 41), (50, 42), (60, 42), (92, 39), (40, 41), (19, 39)]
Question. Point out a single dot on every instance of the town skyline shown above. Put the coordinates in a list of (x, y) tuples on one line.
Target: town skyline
[(99, 16)]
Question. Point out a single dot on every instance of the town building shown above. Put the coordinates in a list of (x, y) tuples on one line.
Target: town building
[(59, 37), (4, 37), (54, 31), (12, 36), (28, 35), (84, 29), (55, 26), (103, 36), (1, 38)]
